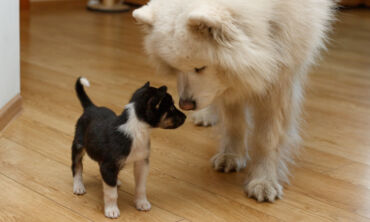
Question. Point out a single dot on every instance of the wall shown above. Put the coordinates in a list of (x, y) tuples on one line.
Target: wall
[(9, 50)]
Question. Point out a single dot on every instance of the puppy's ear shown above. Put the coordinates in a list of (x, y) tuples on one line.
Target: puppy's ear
[(146, 85), (144, 15), (213, 22), (163, 89)]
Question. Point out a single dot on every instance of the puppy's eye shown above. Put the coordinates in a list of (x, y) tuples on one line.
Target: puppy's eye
[(172, 108), (199, 70)]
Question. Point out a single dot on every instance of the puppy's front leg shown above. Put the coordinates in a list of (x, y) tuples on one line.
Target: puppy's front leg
[(141, 169)]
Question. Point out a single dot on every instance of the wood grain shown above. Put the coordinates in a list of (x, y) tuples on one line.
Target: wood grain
[(60, 41)]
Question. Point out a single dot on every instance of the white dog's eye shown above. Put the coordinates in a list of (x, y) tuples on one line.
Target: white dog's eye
[(199, 70)]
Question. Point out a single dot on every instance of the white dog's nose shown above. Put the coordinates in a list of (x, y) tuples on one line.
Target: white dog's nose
[(187, 104)]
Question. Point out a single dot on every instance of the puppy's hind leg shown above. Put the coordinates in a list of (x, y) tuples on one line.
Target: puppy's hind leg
[(141, 169), (77, 154), (109, 172)]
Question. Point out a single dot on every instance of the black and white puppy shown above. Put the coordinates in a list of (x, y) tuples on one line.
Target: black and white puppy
[(113, 140)]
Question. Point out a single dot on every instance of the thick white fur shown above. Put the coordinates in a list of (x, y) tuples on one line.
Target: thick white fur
[(257, 55)]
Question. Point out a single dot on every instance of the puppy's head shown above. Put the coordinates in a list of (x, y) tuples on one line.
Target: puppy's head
[(156, 107)]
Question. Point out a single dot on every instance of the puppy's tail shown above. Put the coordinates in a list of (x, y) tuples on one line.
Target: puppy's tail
[(82, 96)]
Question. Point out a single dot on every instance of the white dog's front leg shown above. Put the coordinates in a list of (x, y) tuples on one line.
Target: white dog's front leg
[(262, 182), (233, 152), (206, 117), (273, 141), (141, 169), (110, 201)]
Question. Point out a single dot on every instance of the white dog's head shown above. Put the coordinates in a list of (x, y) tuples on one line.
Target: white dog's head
[(210, 46)]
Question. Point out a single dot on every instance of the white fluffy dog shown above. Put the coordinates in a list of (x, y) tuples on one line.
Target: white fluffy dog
[(241, 60)]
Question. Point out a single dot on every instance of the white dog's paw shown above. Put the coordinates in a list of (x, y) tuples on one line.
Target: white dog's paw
[(204, 117), (227, 162), (143, 205), (111, 211), (79, 188), (119, 183), (264, 190)]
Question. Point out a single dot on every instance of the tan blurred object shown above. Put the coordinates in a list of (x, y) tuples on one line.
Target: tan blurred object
[(354, 3), (137, 2), (107, 5)]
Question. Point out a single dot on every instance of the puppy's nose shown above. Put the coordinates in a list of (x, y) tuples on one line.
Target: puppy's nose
[(182, 119), (187, 104)]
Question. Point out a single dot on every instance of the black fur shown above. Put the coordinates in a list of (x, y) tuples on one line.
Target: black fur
[(97, 128), (84, 99)]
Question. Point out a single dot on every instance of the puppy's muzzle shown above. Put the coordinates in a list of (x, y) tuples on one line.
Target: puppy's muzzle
[(172, 120), (177, 120), (180, 119)]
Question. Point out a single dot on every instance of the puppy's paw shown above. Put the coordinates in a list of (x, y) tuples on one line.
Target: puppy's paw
[(111, 211), (79, 188), (264, 190), (227, 162), (204, 117), (143, 205)]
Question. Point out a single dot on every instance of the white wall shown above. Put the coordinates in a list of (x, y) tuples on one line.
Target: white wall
[(9, 50)]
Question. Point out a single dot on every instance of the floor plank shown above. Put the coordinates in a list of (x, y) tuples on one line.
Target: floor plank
[(53, 179), (19, 202)]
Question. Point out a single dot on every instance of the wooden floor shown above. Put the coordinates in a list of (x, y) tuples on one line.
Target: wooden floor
[(60, 41)]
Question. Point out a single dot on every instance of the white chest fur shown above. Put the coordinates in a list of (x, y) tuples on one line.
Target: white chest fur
[(139, 132)]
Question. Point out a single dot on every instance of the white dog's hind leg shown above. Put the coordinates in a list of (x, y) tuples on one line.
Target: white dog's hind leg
[(233, 152), (205, 117)]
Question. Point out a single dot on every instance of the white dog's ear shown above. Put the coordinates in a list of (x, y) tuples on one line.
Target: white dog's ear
[(144, 15), (215, 23)]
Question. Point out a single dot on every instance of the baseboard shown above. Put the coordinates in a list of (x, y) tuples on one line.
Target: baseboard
[(10, 110)]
